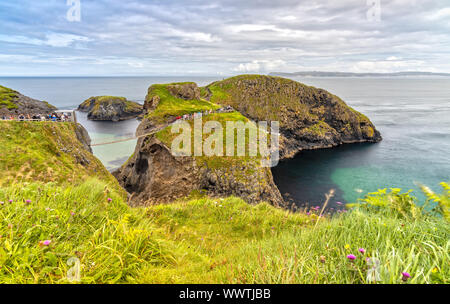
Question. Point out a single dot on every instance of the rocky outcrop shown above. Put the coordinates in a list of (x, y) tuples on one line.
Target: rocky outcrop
[(309, 118), (83, 137), (110, 108), (153, 175), (186, 91), (14, 103)]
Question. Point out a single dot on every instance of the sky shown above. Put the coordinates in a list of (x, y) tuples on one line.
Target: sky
[(221, 37)]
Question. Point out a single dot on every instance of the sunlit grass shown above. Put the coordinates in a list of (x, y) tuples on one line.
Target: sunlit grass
[(206, 241)]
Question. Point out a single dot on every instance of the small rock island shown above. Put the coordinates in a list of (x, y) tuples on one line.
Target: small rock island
[(110, 108)]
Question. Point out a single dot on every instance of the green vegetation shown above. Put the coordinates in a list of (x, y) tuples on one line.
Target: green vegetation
[(130, 106), (7, 97), (266, 98), (208, 240), (247, 164), (47, 152), (172, 106)]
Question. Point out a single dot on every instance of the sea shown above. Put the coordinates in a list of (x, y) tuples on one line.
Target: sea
[(412, 114)]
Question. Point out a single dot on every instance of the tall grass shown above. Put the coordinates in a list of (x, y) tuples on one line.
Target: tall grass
[(208, 240)]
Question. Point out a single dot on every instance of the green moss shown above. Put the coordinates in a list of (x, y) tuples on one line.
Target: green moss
[(248, 164), (172, 106), (46, 152), (7, 97), (320, 129)]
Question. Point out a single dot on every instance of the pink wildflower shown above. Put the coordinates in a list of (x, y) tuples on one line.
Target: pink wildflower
[(405, 276), (351, 257), (362, 250)]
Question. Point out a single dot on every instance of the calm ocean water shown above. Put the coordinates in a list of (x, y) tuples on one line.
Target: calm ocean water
[(413, 116)]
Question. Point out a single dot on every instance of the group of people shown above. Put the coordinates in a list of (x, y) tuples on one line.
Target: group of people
[(39, 117), (191, 116)]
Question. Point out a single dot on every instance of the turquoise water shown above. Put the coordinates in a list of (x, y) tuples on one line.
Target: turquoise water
[(413, 116)]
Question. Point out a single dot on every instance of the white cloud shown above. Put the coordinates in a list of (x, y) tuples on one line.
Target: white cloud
[(259, 66), (63, 40), (52, 39), (440, 14)]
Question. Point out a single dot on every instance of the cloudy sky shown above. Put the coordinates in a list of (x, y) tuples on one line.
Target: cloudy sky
[(222, 37)]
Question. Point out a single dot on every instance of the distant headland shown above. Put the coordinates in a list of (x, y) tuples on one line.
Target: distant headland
[(348, 74)]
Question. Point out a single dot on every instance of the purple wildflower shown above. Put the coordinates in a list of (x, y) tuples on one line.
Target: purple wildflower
[(351, 257), (362, 250), (339, 203), (109, 199), (405, 276), (45, 243)]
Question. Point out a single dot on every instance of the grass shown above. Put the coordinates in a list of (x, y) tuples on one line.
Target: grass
[(7, 97), (170, 106), (48, 152), (99, 100), (207, 240)]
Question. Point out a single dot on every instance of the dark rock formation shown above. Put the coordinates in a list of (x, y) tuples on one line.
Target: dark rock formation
[(14, 103), (186, 91), (154, 175), (110, 108)]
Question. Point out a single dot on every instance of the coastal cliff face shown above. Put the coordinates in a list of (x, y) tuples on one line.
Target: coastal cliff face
[(110, 108), (14, 103), (309, 118), (153, 175)]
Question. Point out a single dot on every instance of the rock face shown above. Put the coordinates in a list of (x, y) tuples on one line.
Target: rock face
[(83, 137), (309, 118), (154, 175), (110, 108), (186, 91), (14, 103)]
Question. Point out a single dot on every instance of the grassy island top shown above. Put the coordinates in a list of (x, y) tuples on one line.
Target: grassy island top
[(97, 101), (7, 97), (170, 105)]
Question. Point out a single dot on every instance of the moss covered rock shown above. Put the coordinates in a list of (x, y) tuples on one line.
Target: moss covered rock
[(309, 118), (110, 108), (14, 103), (48, 152)]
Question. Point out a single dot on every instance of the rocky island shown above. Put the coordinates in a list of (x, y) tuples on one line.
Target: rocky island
[(14, 103), (110, 108), (309, 118)]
